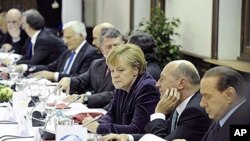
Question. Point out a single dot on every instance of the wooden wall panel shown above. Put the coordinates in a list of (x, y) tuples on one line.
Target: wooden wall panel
[(5, 5)]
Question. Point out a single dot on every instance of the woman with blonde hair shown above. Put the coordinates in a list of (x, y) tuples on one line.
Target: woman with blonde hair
[(3, 28), (135, 96)]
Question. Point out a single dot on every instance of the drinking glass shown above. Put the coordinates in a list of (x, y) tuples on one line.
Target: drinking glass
[(13, 73), (94, 137), (13, 76), (20, 85), (24, 101)]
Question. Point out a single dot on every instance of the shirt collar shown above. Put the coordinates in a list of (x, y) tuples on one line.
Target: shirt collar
[(224, 119), (80, 46), (180, 108), (34, 37)]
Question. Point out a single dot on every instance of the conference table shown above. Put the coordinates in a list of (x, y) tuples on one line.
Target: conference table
[(10, 129), (16, 119)]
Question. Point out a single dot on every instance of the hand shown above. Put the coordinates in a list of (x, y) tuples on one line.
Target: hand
[(14, 31), (92, 127), (4, 75), (19, 68), (65, 84), (6, 61), (168, 101), (119, 137), (6, 47), (44, 74)]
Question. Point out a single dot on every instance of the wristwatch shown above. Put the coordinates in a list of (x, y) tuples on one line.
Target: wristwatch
[(85, 99)]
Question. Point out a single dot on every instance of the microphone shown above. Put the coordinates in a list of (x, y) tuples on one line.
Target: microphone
[(7, 122), (37, 116), (49, 135), (93, 120), (10, 137)]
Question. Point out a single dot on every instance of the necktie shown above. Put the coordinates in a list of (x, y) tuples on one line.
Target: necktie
[(174, 120), (30, 50), (69, 62), (213, 131)]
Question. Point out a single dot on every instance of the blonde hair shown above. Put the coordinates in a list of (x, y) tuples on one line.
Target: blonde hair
[(3, 23), (130, 53)]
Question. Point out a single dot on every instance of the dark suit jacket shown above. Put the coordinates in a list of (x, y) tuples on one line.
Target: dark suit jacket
[(154, 69), (94, 80), (3, 37), (192, 123), (81, 64), (129, 112), (47, 49), (239, 117)]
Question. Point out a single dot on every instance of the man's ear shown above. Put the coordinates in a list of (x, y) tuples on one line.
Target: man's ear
[(181, 83), (81, 36), (230, 94)]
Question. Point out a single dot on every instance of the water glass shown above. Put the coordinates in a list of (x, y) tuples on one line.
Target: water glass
[(28, 118), (13, 76), (20, 85), (94, 137)]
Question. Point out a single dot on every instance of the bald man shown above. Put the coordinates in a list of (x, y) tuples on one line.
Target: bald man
[(178, 114), (16, 37), (97, 33)]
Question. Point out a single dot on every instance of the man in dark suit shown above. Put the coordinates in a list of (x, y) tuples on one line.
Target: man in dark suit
[(43, 47), (223, 97), (16, 37), (97, 80), (178, 113), (74, 34)]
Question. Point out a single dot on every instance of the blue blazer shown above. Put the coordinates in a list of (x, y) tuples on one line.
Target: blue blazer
[(129, 112)]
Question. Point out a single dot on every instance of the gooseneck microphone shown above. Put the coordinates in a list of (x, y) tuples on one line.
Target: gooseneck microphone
[(91, 121), (10, 137), (49, 135)]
